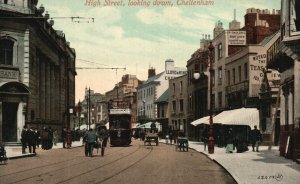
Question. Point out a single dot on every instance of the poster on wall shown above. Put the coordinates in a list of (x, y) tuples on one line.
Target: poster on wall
[(294, 17), (57, 55)]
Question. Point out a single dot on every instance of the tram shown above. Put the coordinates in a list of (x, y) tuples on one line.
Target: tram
[(120, 127)]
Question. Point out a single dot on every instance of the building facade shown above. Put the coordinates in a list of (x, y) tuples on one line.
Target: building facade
[(154, 87), (285, 57), (178, 102), (37, 67)]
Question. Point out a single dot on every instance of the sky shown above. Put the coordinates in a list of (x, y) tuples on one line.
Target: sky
[(138, 37)]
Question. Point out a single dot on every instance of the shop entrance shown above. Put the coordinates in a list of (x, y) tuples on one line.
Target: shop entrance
[(9, 120)]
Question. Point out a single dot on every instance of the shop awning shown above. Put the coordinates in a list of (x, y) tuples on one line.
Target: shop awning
[(204, 120), (242, 116)]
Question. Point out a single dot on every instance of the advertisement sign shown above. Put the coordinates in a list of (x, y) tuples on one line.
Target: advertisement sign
[(236, 37), (294, 17)]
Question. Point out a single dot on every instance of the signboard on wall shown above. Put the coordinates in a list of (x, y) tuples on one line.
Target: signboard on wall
[(294, 14), (236, 37)]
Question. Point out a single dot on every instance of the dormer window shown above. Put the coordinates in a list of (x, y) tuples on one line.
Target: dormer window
[(6, 52)]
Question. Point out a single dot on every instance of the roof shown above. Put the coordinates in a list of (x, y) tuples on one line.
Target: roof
[(267, 39), (152, 79), (164, 97)]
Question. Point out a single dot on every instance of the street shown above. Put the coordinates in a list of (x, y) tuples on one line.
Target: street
[(134, 164)]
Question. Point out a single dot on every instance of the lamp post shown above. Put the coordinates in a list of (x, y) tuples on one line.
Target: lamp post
[(211, 107), (211, 72)]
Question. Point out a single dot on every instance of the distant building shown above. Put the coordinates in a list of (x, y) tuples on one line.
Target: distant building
[(153, 88), (178, 102), (37, 71)]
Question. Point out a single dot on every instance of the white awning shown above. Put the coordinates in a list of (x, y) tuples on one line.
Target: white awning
[(204, 120), (242, 116)]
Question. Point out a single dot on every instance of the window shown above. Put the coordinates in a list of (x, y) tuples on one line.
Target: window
[(163, 111), (220, 50), (5, 1), (220, 99), (174, 106), (246, 71), (240, 73), (181, 105), (228, 77), (174, 89), (180, 86), (6, 52), (220, 75), (233, 75)]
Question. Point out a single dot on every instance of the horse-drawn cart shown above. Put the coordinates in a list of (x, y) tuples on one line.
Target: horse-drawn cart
[(182, 143), (151, 137)]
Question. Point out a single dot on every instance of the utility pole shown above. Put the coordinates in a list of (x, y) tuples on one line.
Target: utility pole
[(89, 108)]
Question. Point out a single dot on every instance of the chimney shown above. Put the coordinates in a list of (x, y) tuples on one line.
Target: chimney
[(151, 72)]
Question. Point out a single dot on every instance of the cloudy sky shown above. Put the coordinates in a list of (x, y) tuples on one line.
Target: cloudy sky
[(138, 37)]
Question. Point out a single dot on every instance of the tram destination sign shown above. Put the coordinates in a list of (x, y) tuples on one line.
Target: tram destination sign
[(9, 74)]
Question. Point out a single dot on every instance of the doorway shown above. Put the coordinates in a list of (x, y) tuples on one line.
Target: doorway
[(9, 119)]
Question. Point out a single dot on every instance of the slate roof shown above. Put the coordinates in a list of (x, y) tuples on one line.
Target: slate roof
[(164, 97)]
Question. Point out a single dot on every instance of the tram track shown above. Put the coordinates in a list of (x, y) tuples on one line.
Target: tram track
[(93, 159), (100, 167), (126, 168), (56, 164)]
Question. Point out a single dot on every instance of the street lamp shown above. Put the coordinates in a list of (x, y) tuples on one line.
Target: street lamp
[(211, 72), (197, 76)]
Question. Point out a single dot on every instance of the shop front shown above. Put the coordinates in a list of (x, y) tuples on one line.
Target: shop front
[(13, 102)]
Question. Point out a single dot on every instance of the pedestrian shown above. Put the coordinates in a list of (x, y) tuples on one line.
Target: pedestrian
[(69, 138), (45, 137), (31, 140), (171, 136), (256, 138), (205, 138), (103, 135), (24, 139), (64, 137), (153, 127), (37, 137), (55, 137), (229, 141), (90, 138), (50, 138)]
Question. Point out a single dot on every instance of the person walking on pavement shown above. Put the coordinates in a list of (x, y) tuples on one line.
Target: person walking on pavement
[(205, 137), (171, 135), (69, 138), (50, 139), (255, 138), (90, 138), (229, 141), (64, 137), (55, 137), (31, 141), (45, 137), (37, 137), (24, 139)]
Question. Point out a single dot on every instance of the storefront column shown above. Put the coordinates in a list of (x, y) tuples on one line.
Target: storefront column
[(1, 123), (20, 120)]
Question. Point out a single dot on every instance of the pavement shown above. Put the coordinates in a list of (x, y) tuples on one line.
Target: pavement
[(253, 167), (261, 167), (14, 152)]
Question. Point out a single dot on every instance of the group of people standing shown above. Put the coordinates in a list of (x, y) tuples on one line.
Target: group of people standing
[(32, 138), (241, 145)]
